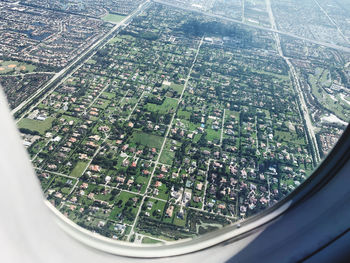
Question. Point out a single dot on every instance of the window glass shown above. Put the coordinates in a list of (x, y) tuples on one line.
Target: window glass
[(156, 121)]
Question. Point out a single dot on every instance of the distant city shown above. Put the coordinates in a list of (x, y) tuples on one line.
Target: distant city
[(156, 121)]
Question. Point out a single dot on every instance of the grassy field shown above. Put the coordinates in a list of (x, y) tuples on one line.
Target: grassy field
[(91, 61), (163, 194), (113, 18), (124, 197), (78, 169), (167, 157), (108, 95), (183, 114), (213, 135), (147, 240), (157, 209), (69, 118), (177, 87), (59, 181), (35, 125), (165, 107), (228, 114), (190, 126), (101, 104), (147, 139), (115, 39), (291, 137), (339, 108), (143, 181), (15, 66), (178, 221)]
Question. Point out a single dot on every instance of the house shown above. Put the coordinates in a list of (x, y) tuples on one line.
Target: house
[(199, 186), (126, 162), (104, 128), (91, 144), (221, 206), (95, 168), (130, 182), (83, 156), (196, 199), (120, 179), (95, 137), (169, 211), (108, 179)]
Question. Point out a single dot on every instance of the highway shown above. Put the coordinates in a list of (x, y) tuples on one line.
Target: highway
[(332, 21), (303, 108), (74, 65), (274, 30)]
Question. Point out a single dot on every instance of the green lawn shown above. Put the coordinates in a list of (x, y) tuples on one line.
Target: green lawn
[(108, 95), (69, 118), (339, 108), (113, 18), (147, 240), (78, 169), (179, 221), (36, 125), (115, 39), (143, 180), (163, 192), (188, 125), (183, 114), (101, 104), (157, 209), (61, 184), (129, 212), (289, 136), (167, 157), (228, 114), (91, 61), (165, 107), (213, 135), (270, 74), (10, 66), (177, 87), (147, 139), (197, 137)]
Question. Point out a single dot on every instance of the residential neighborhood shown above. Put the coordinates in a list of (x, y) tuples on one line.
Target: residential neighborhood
[(179, 123)]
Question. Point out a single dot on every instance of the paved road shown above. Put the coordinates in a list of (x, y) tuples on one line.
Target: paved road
[(24, 74), (332, 21), (222, 127), (275, 30), (243, 11), (304, 110), (165, 138)]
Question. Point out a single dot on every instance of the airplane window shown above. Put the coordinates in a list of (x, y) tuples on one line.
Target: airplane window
[(157, 121)]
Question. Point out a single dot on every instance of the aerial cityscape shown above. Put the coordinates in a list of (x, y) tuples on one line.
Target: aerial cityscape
[(160, 120)]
